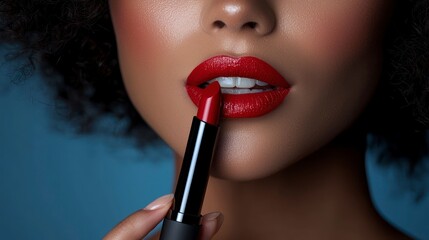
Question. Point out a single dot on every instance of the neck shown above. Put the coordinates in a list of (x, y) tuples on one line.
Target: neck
[(324, 196)]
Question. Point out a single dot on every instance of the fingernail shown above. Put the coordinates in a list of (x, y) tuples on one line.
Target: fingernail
[(160, 202), (212, 216)]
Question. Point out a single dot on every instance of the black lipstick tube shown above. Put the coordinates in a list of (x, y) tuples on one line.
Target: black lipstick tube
[(183, 222)]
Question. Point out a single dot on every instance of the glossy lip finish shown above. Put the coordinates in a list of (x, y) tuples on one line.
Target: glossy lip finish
[(240, 105)]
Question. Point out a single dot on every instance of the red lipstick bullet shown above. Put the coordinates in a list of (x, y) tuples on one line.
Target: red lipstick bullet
[(210, 104)]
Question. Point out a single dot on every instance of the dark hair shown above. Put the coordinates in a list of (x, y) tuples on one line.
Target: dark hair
[(75, 38), (400, 111)]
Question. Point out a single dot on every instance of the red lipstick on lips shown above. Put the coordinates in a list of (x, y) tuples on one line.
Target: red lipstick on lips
[(184, 218), (240, 105)]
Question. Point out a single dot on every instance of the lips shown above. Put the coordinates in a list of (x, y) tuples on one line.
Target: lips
[(250, 86)]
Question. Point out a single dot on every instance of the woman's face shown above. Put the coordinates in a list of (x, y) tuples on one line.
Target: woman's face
[(328, 52)]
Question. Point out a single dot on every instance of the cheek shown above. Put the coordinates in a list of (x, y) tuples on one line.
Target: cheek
[(343, 45), (336, 49), (132, 29), (145, 37), (148, 29), (331, 32)]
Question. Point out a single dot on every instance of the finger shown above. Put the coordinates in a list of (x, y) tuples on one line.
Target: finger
[(140, 223), (211, 224)]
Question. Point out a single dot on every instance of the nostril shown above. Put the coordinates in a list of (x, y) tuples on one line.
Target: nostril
[(219, 24), (239, 16), (251, 25)]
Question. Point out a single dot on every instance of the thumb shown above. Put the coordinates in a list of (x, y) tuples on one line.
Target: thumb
[(211, 224)]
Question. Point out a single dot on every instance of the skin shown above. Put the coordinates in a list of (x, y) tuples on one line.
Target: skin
[(283, 165)]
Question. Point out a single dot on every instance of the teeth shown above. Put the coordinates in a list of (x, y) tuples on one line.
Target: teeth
[(240, 90), (240, 85), (260, 83), (226, 82), (238, 82), (245, 83)]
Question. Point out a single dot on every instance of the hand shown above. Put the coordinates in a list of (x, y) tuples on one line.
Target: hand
[(140, 223)]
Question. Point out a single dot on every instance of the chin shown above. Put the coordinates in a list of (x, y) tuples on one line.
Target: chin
[(234, 170), (247, 165)]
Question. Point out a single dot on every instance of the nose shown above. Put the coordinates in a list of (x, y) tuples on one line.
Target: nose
[(254, 16)]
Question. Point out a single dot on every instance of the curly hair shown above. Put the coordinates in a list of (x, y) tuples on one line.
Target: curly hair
[(75, 39), (400, 110)]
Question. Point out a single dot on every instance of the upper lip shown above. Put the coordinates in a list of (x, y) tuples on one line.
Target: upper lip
[(226, 66)]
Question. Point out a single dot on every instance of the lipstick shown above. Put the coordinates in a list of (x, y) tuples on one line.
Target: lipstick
[(183, 221)]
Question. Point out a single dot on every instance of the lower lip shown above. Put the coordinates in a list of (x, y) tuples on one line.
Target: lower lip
[(245, 105)]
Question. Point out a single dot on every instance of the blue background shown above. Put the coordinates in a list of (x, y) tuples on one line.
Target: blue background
[(58, 185)]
